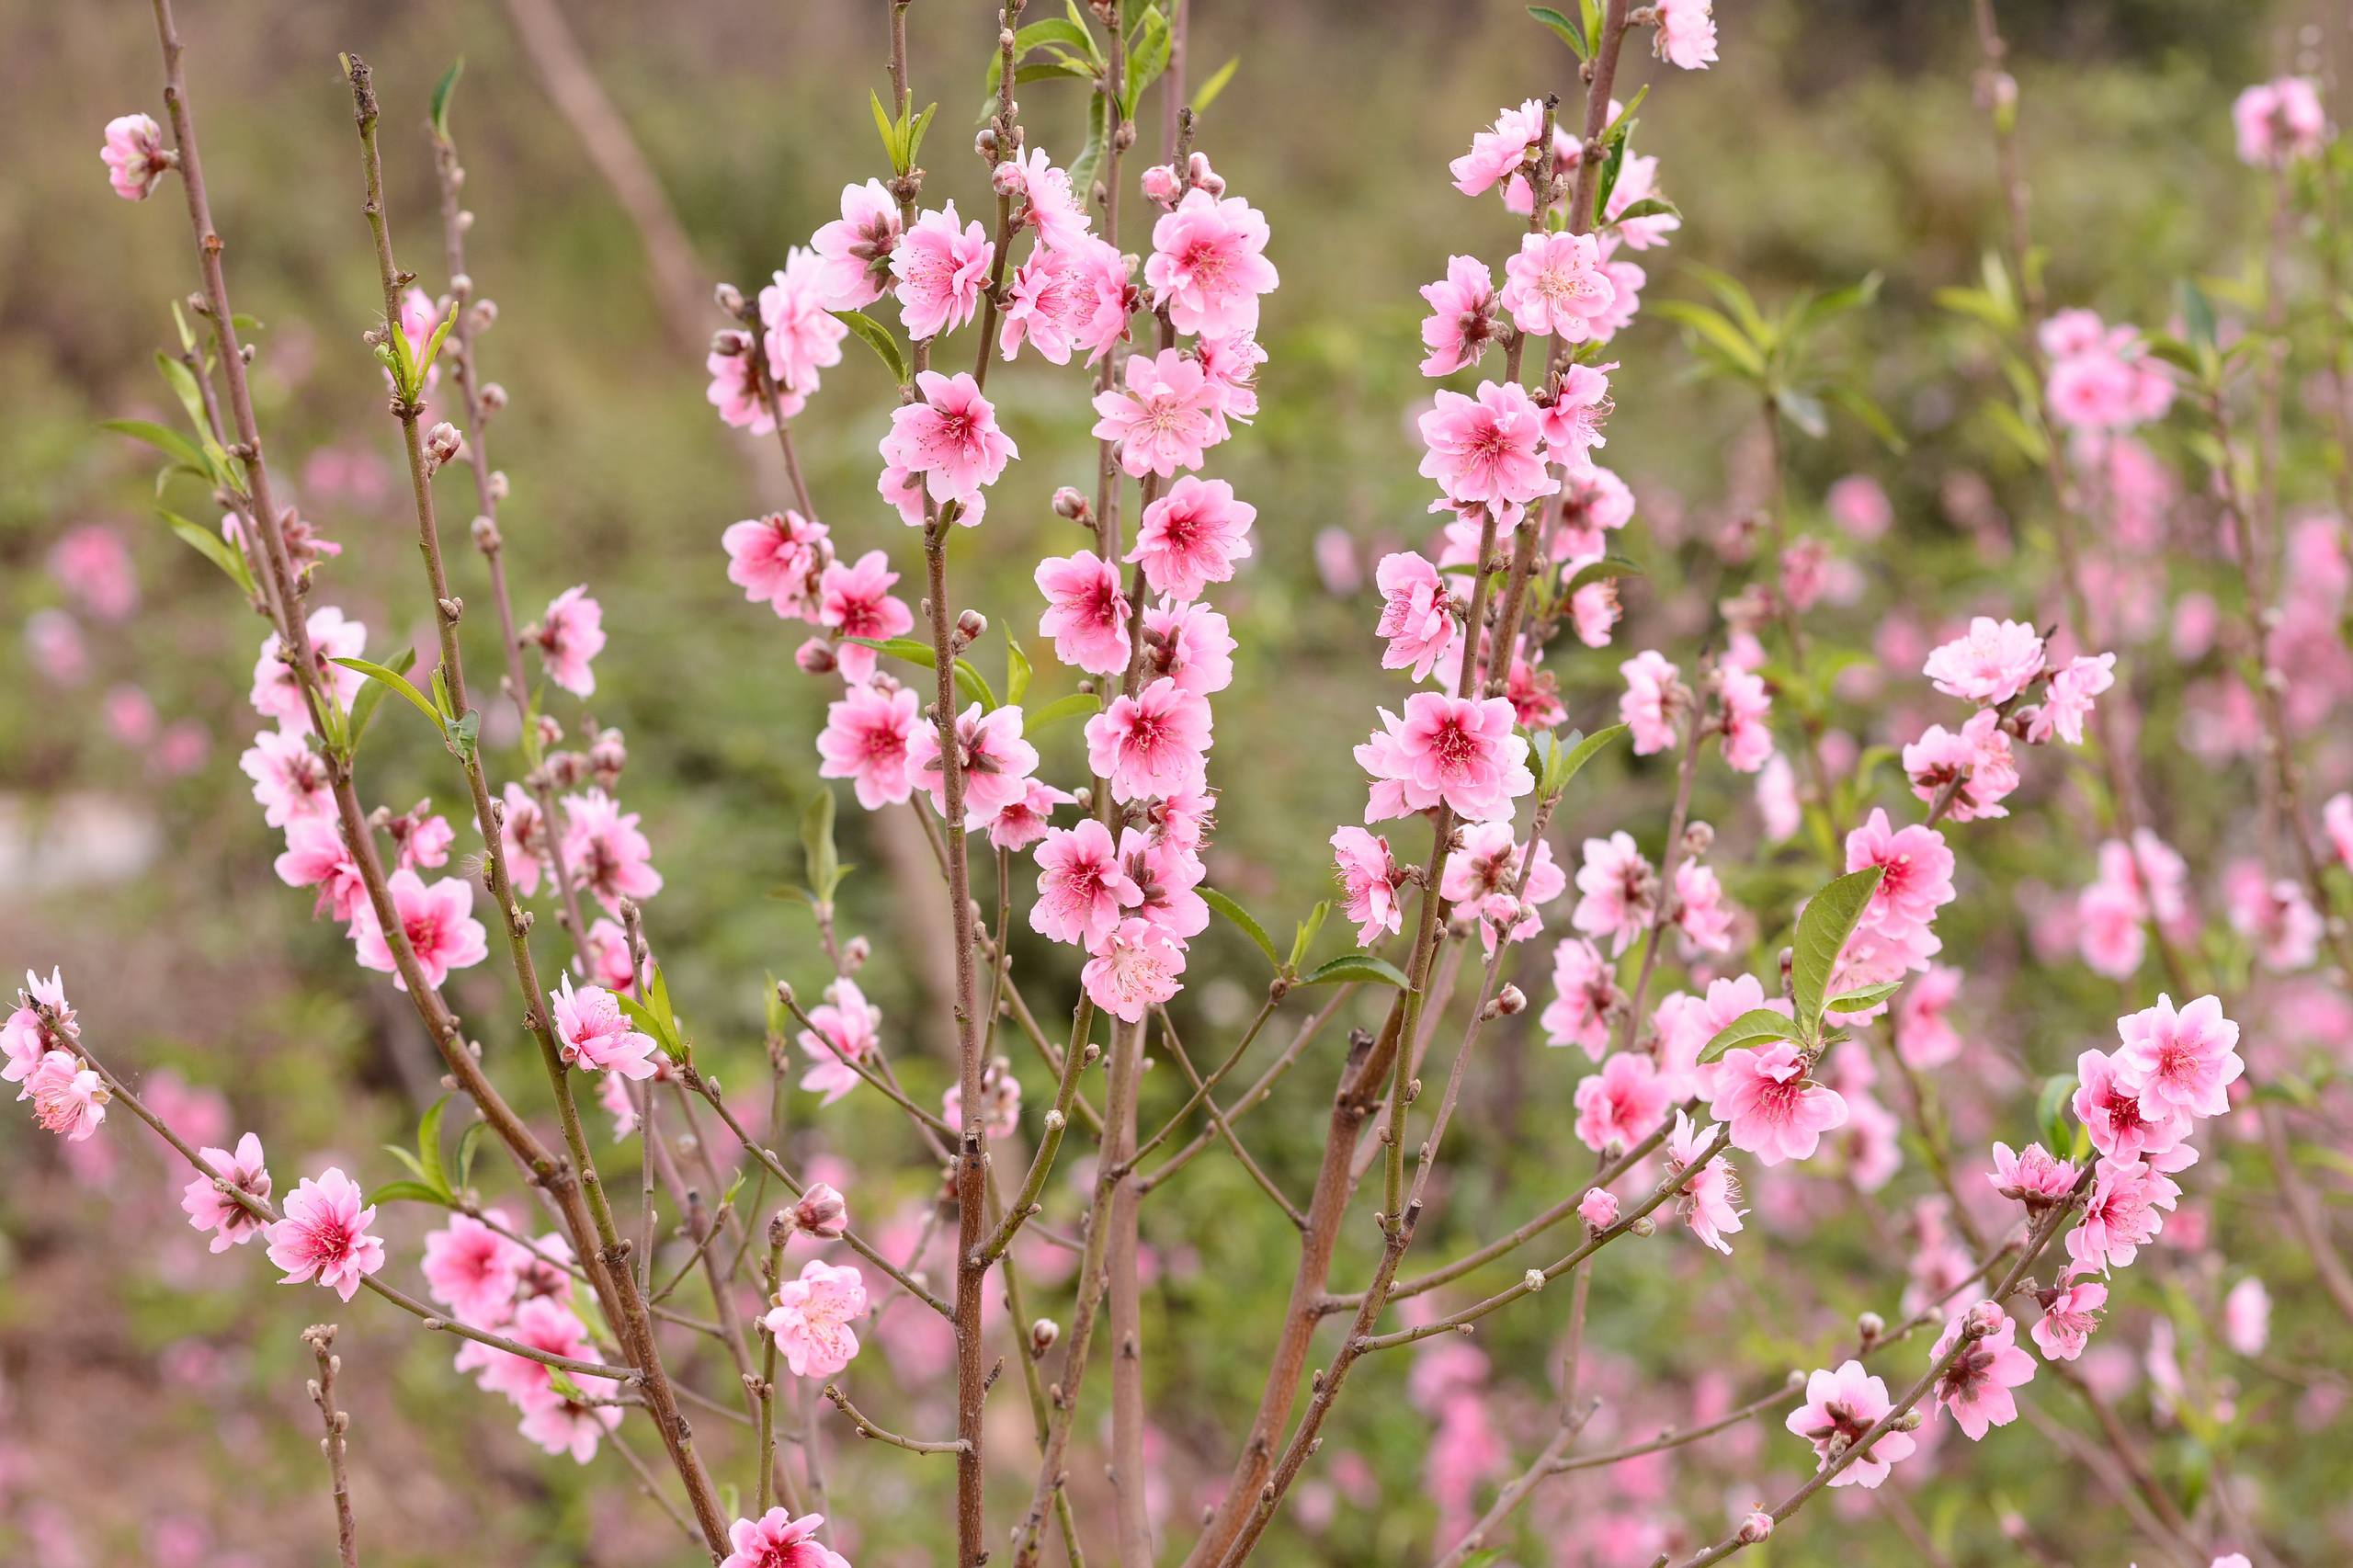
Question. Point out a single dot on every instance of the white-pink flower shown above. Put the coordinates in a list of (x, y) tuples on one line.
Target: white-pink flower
[(1708, 1196), (1686, 33), (776, 560), (941, 271), (323, 1236), (950, 436), (1774, 1107), (1087, 612), (209, 1209), (1461, 322), (1462, 751), (1555, 285), (473, 1270), (1416, 613), (437, 922), (1840, 1408), (570, 633), (69, 1097), (811, 1319), (592, 1032), (1134, 969), (802, 335), (1191, 536), (1369, 879), (606, 852), (1500, 151), (1208, 265), (1065, 301), (1622, 1104), (289, 780), (856, 249), (997, 762), (2181, 1062), (1975, 1389), (1652, 702), (1586, 998), (278, 692), (2067, 701), (1618, 892), (844, 1030), (2069, 1315), (1154, 742), (2124, 1125), (866, 739), (1487, 449), (134, 155), (1163, 414), (1083, 889), (777, 1539)]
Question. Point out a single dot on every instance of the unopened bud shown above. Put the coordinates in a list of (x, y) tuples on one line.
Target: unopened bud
[(1908, 1422), (1645, 1226), (729, 300), (1984, 1318), (485, 531), (607, 756), (1007, 179), (1533, 1280), (442, 444), (1869, 1326), (984, 142), (1756, 1526), (1598, 1208), (550, 731), (1070, 504), (1509, 1000), (1199, 173), (822, 1211), (1698, 839), (485, 314), (855, 953), (498, 485), (493, 397), (1043, 1335), (970, 627), (816, 657), (1161, 186), (784, 993), (730, 343)]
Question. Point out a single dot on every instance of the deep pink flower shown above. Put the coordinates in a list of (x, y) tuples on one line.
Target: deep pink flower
[(1153, 744), (846, 1030), (1416, 613), (1462, 751), (1593, 504), (1839, 1408), (592, 1032), (736, 389), (812, 1317), (1652, 702), (777, 1539), (1745, 715), (2275, 122), (1686, 33), (1087, 612), (1191, 536), (2033, 1175), (1976, 1388), (1774, 1109), (289, 780), (1555, 286), (1703, 916), (1572, 419), (209, 1209), (1497, 153), (317, 856), (950, 436), (69, 1098), (323, 1236), (1134, 969), (1082, 886), (1708, 1198), (1020, 823), (941, 272), (1191, 644), (1486, 450), (1620, 892), (1975, 763), (2181, 1062), (803, 337), (2124, 1126), (1992, 663), (1622, 1104), (1166, 873), (856, 249), (1594, 611), (2069, 1315), (2068, 701), (605, 851), (856, 601), (866, 739), (1584, 998), (1067, 300), (473, 1270), (777, 560), (1461, 322), (997, 762), (134, 155), (1916, 876), (1369, 879), (1163, 413), (1597, 1209), (2123, 1212), (278, 694), (1483, 882), (570, 633), (1043, 198), (437, 922), (1208, 265)]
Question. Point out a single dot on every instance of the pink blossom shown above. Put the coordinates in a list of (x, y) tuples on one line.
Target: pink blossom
[(1859, 504), (1485, 450), (2276, 122), (997, 762), (1593, 504), (277, 693), (1499, 152), (777, 1539), (289, 780), (473, 1270), (1191, 536), (2274, 915), (1593, 610), (568, 1427), (1703, 916), (2123, 1214), (2067, 701), (1087, 612), (2069, 1315), (856, 601), (592, 1033), (69, 1097), (1992, 663), (1416, 613), (1163, 414), (1189, 644), (436, 923), (1974, 763), (2246, 1317), (1152, 743), (866, 739), (1082, 886), (844, 1030), (1369, 881), (1134, 969), (1459, 750), (1555, 286), (1622, 1104), (1707, 1200), (1168, 873), (1021, 823), (1231, 363), (1923, 1035), (605, 851), (2336, 820), (1745, 716), (570, 633), (135, 156), (1000, 1115), (316, 857), (735, 390), (777, 560), (92, 563), (209, 1209), (2109, 1099), (1620, 892), (1686, 33), (941, 272), (856, 249), (421, 837), (1839, 1408), (2033, 1175), (2182, 1062), (1208, 265), (1461, 322), (608, 957), (1976, 1387), (1774, 1109), (1597, 1209), (1586, 998), (812, 1317), (1653, 701), (950, 436), (802, 335), (1916, 877), (54, 641), (1571, 424), (1046, 201), (1067, 300), (1777, 799), (323, 1236)]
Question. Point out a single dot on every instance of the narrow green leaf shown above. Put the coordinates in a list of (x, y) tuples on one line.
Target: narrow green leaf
[(878, 337), (1648, 206), (1571, 761), (399, 683), (1571, 33), (1209, 90), (1084, 167), (213, 548), (182, 381), (1147, 57), (822, 860), (467, 1143), (1243, 918), (1016, 673), (170, 442), (440, 101), (409, 1163), (915, 132), (363, 703), (1864, 1000), (408, 1192), (1358, 966), (889, 132), (2051, 1111), (1715, 328), (1594, 571), (428, 1144), (1304, 937), (1076, 704), (1756, 1025), (1823, 929)]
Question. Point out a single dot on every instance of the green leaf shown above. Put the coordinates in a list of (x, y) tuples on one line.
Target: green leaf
[(182, 381), (1035, 719), (467, 1143), (440, 100), (1648, 206), (1716, 329), (399, 683), (650, 1022), (1594, 571), (975, 686), (171, 443), (817, 848), (2050, 1112), (1870, 415), (1756, 1024), (1090, 153), (408, 1192), (1243, 918), (889, 130), (1571, 33), (2197, 314), (1016, 673), (1819, 310), (968, 680), (1147, 57), (913, 135), (1209, 90), (213, 548), (364, 704), (409, 1162), (1304, 936), (1864, 1000), (428, 1144), (1357, 966), (1568, 763), (1823, 929)]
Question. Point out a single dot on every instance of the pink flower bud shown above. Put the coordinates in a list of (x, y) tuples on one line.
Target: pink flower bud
[(1984, 1318), (855, 953), (1007, 179), (1043, 1335), (442, 443), (1598, 1208), (1756, 1526), (493, 397), (1199, 173), (822, 1211), (816, 657), (1509, 1000), (1070, 504), (607, 756), (1160, 185)]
